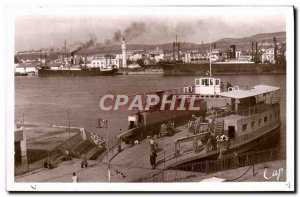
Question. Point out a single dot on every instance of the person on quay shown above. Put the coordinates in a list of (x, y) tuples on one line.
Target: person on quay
[(74, 178), (153, 156), (84, 162)]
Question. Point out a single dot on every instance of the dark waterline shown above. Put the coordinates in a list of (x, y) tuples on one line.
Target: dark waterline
[(45, 99)]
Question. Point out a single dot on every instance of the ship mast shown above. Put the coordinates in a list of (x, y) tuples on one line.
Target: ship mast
[(210, 60), (65, 55)]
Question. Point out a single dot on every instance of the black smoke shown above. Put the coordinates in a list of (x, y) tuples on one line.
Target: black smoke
[(91, 42), (134, 30)]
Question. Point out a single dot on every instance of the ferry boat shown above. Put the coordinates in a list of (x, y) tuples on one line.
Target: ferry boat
[(232, 119)]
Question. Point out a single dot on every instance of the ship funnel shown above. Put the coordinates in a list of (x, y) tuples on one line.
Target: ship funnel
[(232, 49)]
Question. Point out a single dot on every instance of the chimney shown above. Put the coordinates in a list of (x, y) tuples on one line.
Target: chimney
[(232, 51), (275, 50), (173, 50), (252, 51), (124, 60), (256, 51)]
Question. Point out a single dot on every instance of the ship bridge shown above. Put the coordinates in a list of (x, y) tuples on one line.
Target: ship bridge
[(207, 86)]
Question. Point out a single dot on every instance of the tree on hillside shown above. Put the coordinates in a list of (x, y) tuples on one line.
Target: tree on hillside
[(140, 62)]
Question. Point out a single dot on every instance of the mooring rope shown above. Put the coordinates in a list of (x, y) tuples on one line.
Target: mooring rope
[(240, 175)]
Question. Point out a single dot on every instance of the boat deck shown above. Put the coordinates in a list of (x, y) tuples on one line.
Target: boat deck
[(136, 159)]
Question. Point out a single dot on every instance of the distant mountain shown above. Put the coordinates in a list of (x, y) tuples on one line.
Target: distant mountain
[(242, 43), (266, 37), (223, 44)]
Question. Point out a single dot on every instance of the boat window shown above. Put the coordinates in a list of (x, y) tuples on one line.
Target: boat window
[(197, 82), (217, 82), (265, 119), (203, 82), (244, 127), (206, 82), (211, 82), (259, 122), (252, 124)]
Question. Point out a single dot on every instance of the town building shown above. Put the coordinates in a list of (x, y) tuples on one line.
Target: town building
[(105, 61), (268, 56)]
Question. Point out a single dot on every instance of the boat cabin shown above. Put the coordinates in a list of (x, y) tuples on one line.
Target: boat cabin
[(207, 86), (252, 109)]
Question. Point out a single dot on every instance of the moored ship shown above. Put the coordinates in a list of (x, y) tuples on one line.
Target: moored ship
[(73, 72), (172, 68), (232, 61)]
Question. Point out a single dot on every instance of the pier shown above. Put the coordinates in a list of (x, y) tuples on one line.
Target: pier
[(132, 163)]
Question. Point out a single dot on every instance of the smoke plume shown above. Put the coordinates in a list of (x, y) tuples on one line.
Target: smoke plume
[(91, 42), (134, 30)]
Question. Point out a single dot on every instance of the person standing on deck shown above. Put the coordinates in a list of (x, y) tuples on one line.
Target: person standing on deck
[(228, 85), (236, 159), (222, 86)]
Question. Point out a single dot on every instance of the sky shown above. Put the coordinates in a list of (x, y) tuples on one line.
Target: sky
[(50, 31)]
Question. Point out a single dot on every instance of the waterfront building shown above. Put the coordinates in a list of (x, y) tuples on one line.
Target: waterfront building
[(104, 61), (268, 55)]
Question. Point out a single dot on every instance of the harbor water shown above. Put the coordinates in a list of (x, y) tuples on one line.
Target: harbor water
[(46, 99)]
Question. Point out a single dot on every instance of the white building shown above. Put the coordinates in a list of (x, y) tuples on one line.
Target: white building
[(156, 51), (195, 58), (238, 53), (135, 57), (28, 67), (159, 57), (268, 56), (104, 62)]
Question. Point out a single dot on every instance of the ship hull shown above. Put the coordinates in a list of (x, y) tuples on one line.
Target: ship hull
[(185, 69), (269, 140), (75, 73)]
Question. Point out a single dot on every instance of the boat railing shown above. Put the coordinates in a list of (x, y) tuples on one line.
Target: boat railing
[(181, 149), (254, 134), (249, 111), (228, 162), (184, 151)]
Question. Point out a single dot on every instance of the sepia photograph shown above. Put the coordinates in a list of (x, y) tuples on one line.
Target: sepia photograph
[(150, 98)]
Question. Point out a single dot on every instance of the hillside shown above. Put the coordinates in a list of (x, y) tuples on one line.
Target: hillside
[(242, 43)]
